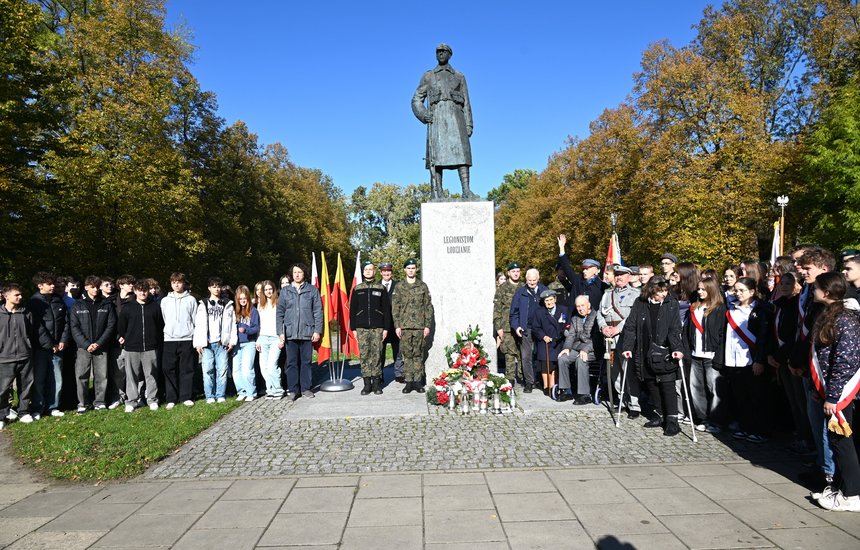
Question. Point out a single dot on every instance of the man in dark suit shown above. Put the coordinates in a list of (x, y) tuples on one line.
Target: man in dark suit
[(523, 308), (387, 272)]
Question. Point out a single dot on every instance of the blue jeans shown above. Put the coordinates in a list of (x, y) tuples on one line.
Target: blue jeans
[(269, 354), (215, 371), (47, 380), (299, 355), (818, 423), (243, 369)]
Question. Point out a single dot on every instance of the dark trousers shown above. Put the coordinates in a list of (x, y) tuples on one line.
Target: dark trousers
[(394, 341), (663, 397), (23, 371), (847, 476), (527, 353), (299, 355), (178, 360), (750, 395), (116, 373)]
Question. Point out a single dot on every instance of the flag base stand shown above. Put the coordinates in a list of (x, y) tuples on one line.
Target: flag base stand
[(336, 385)]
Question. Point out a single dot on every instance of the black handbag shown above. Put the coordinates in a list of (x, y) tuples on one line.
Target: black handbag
[(661, 359)]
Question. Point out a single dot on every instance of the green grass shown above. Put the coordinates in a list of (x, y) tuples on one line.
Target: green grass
[(102, 445)]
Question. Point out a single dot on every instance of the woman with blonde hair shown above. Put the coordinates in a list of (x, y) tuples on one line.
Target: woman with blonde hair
[(248, 327), (267, 342)]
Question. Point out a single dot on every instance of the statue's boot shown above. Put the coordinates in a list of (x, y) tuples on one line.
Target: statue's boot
[(464, 181)]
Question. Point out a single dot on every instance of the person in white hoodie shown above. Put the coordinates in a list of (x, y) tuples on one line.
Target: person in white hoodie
[(214, 337), (178, 309)]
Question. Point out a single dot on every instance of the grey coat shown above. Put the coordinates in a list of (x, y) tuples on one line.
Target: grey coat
[(579, 336), (300, 312)]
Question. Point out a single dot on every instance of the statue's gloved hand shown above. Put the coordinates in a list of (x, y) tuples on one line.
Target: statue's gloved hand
[(469, 131), (427, 118)]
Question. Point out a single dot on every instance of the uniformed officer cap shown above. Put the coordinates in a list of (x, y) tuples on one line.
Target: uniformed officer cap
[(547, 293), (365, 264), (514, 265), (588, 262), (620, 269), (385, 266), (410, 261), (850, 253), (446, 47)]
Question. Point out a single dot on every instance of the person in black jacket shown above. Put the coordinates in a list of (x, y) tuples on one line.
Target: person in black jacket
[(93, 323), (51, 317), (548, 329), (369, 317), (702, 336), (652, 338), (140, 327), (17, 333)]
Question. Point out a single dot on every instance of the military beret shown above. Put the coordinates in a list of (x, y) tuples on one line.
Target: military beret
[(668, 256), (548, 293), (590, 263), (410, 261), (513, 265), (386, 266), (618, 268), (366, 263), (445, 47), (850, 252)]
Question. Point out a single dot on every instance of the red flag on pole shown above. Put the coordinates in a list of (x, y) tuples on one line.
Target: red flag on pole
[(324, 345), (339, 295)]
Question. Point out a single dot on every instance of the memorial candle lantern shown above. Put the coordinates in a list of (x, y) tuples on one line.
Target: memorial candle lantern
[(452, 398), (513, 400), (497, 403), (483, 399), (464, 401)]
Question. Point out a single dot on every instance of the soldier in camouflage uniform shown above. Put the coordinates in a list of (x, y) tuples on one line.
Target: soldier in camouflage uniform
[(369, 316), (502, 322), (412, 311)]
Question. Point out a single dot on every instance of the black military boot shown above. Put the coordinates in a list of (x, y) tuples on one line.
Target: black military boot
[(672, 427), (407, 388), (418, 386), (368, 385), (377, 385)]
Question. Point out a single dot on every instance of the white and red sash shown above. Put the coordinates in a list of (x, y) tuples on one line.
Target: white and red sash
[(777, 322), (748, 338), (849, 392), (696, 322)]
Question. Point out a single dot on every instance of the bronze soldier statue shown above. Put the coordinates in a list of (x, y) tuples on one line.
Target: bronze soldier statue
[(448, 116)]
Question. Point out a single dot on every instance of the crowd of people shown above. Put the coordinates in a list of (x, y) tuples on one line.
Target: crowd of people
[(759, 346)]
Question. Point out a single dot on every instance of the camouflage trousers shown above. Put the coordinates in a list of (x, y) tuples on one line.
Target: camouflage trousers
[(511, 352), (412, 344), (371, 348)]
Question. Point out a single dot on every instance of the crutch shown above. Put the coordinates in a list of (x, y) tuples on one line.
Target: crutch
[(549, 392), (621, 393), (689, 412)]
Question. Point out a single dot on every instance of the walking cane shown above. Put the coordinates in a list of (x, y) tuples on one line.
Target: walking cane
[(546, 345), (621, 394), (687, 400)]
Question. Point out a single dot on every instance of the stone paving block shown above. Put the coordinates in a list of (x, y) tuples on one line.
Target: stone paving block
[(815, 538), (389, 486), (67, 540), (46, 503), (617, 519), (235, 514), (730, 487), (11, 529), (535, 535), (327, 481), (185, 485), (302, 547), (321, 499), (381, 512), (578, 474), (794, 493), (700, 470), (772, 513), (383, 538), (676, 501), (148, 530), (454, 497), (714, 531), (532, 507), (12, 491), (848, 522), (233, 538), (773, 472), (91, 517), (653, 541), (174, 501), (519, 482), (467, 546), (594, 491), (253, 489), (646, 477), (478, 526), (127, 493), (454, 479), (304, 529)]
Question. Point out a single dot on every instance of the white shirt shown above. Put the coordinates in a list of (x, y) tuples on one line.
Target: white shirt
[(737, 351), (698, 349), (267, 321)]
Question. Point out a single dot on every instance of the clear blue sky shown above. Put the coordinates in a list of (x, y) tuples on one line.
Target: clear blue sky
[(332, 81)]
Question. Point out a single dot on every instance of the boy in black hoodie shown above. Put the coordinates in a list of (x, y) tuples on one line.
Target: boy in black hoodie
[(140, 329), (93, 322), (17, 333), (51, 317)]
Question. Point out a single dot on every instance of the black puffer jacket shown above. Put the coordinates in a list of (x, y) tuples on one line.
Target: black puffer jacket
[(637, 330), (93, 322), (51, 318)]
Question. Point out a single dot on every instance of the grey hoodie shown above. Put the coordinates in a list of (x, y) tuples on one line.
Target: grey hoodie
[(17, 334), (178, 311)]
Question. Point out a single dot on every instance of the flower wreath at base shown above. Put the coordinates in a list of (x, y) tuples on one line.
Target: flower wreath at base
[(468, 375)]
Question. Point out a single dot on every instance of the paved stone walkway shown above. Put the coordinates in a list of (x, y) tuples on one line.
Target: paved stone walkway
[(414, 479)]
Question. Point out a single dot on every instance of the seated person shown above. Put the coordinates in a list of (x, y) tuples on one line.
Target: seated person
[(578, 349)]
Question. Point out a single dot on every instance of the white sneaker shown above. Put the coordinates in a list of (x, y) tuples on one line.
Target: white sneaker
[(240, 398), (81, 410), (99, 408), (210, 401), (58, 413), (25, 419), (824, 492), (13, 415), (2, 424), (129, 408), (37, 416), (153, 406), (837, 502), (114, 405), (249, 398), (188, 403), (169, 406), (221, 400), (700, 427)]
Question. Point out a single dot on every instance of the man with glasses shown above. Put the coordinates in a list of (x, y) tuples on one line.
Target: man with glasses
[(667, 264)]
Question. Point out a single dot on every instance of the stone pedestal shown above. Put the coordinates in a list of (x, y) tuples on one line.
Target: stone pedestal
[(458, 257)]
